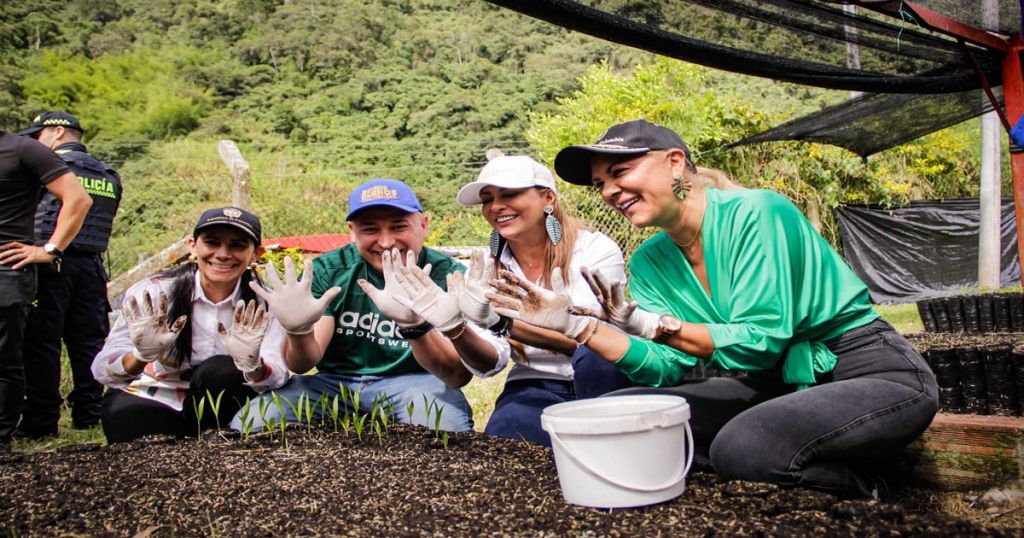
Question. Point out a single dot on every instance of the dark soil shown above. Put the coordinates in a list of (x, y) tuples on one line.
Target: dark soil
[(406, 484)]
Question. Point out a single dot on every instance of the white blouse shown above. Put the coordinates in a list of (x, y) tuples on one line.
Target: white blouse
[(163, 383)]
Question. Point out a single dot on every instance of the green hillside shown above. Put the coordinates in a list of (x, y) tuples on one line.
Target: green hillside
[(322, 95)]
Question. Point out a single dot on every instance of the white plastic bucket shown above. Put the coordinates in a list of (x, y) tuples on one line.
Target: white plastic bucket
[(621, 451)]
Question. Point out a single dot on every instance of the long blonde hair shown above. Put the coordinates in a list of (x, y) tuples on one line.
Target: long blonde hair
[(714, 178)]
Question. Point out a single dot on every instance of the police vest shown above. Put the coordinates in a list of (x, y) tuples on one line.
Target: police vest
[(102, 183)]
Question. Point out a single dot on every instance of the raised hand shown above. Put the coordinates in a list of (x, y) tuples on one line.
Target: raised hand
[(519, 298), (386, 299), (292, 300), (244, 338), (615, 308), (471, 290), (147, 324), (427, 299)]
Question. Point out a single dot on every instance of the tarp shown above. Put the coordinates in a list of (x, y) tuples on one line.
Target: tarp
[(926, 249)]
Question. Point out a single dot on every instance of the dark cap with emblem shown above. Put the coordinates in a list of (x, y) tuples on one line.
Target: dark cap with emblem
[(51, 119), (632, 138), (234, 217)]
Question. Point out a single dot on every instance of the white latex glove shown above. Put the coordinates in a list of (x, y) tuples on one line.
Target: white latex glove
[(615, 309), (244, 338), (292, 301), (147, 324), (471, 290), (428, 300), (521, 299), (386, 299)]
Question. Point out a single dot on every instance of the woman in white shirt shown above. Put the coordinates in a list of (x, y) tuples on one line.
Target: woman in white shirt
[(194, 331), (532, 236)]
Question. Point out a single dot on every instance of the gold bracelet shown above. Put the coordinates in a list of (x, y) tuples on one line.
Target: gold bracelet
[(462, 331), (593, 330)]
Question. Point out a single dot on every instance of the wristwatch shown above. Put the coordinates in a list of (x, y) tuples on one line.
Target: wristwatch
[(412, 333), (52, 250), (502, 328), (667, 327)]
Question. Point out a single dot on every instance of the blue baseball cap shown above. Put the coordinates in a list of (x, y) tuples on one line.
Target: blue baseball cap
[(382, 192)]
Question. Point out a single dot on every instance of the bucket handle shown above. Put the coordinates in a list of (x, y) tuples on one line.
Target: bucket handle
[(669, 484)]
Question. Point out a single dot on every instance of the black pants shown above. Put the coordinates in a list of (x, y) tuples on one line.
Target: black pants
[(71, 306), (12, 373), (832, 436), (126, 417)]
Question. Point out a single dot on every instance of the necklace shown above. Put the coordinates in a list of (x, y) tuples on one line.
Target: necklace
[(696, 235)]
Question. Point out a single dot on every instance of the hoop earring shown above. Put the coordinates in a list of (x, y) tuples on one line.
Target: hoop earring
[(681, 187), (551, 224), (495, 243)]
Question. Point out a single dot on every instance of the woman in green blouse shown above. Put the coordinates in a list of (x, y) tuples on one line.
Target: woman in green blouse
[(740, 279)]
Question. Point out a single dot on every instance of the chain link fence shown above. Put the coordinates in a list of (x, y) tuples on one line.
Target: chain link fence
[(298, 194)]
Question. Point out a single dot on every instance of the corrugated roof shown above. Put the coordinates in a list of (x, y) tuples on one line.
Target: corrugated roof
[(311, 243)]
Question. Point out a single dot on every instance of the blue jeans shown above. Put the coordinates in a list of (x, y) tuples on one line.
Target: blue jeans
[(517, 411), (398, 390), (880, 397)]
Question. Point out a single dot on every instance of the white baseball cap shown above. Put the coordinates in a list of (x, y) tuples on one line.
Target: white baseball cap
[(507, 172)]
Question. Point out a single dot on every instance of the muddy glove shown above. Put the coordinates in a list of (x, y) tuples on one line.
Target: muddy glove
[(427, 299), (471, 290), (147, 324), (386, 299), (521, 299), (244, 338), (615, 309), (292, 301)]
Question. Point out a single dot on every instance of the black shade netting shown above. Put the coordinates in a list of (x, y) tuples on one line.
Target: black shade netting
[(799, 41), (875, 122)]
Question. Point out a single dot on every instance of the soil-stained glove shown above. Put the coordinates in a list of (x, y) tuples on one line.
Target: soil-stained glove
[(427, 299), (147, 324), (292, 301), (244, 338), (615, 309), (471, 290), (519, 298), (386, 299)]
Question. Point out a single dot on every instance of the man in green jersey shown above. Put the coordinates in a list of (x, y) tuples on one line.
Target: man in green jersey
[(358, 326)]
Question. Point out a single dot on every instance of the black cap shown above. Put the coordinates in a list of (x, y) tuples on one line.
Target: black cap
[(231, 216), (52, 119), (631, 138)]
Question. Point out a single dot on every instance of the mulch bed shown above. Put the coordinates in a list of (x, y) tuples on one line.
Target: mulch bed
[(403, 484)]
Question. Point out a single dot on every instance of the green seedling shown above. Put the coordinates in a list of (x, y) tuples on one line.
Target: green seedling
[(215, 406), (358, 422), (245, 416), (380, 435), (322, 404), (264, 407), (297, 408), (334, 411), (409, 409), (199, 408), (283, 423), (346, 423), (309, 416), (444, 440), (271, 426), (437, 420)]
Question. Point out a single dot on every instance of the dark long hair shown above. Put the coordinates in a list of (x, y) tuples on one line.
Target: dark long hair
[(182, 289)]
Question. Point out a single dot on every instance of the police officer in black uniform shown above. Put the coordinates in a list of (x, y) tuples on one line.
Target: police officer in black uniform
[(71, 302)]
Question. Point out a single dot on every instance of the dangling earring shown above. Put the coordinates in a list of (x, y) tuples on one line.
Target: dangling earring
[(495, 243), (551, 224), (681, 187)]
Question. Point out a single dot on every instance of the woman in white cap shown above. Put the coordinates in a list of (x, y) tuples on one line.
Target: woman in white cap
[(740, 279), (531, 237), (191, 333)]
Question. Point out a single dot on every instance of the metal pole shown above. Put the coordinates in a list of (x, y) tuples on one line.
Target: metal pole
[(1013, 92), (989, 249), (852, 48)]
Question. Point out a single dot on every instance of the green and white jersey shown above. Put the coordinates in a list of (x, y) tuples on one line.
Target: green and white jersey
[(365, 342)]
